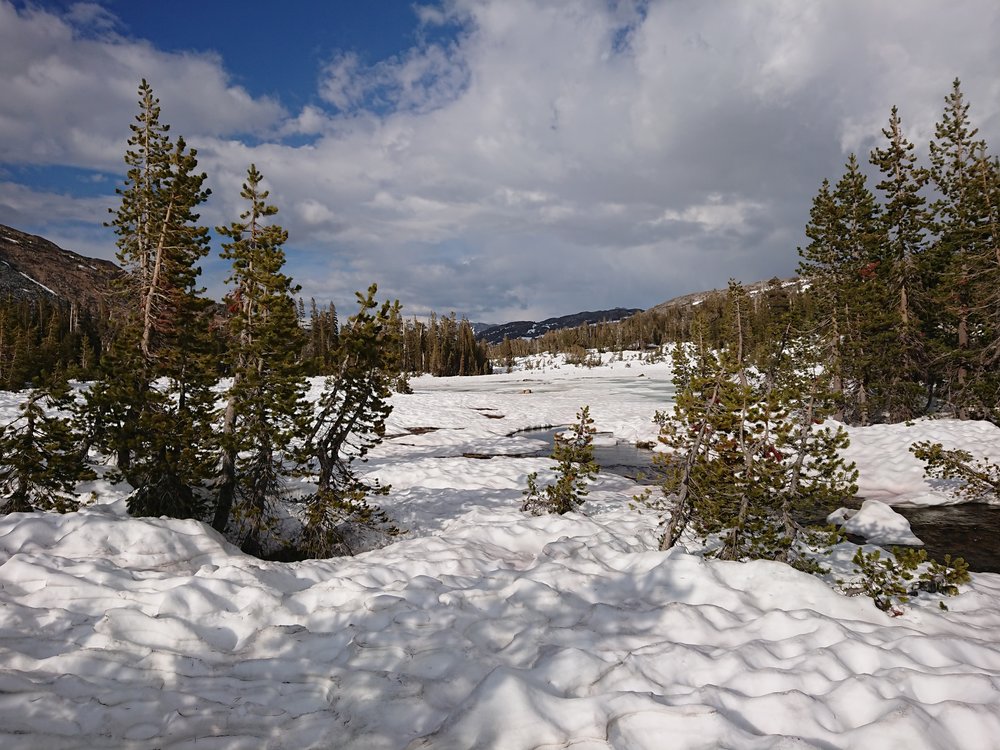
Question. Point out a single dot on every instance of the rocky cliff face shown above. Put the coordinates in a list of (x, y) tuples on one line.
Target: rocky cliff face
[(31, 267)]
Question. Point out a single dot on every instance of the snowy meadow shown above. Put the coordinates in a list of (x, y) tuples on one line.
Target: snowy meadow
[(482, 626)]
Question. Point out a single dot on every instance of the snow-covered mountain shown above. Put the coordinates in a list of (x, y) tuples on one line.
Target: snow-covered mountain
[(32, 267), (753, 289), (530, 329)]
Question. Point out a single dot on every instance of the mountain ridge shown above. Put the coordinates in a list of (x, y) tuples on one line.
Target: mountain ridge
[(32, 267), (530, 329)]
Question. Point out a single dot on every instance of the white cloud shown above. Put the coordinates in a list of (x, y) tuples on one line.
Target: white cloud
[(67, 97), (22, 205), (555, 155)]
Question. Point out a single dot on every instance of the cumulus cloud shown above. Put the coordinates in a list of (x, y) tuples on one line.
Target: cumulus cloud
[(20, 206), (549, 156), (68, 89)]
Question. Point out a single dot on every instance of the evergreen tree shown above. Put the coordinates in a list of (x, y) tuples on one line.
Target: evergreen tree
[(575, 468), (140, 215), (986, 391), (749, 455), (958, 215), (40, 458), (265, 342), (844, 267), (152, 405), (904, 225), (321, 345), (348, 420), (978, 480)]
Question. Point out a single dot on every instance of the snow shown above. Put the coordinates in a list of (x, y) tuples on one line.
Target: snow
[(482, 627), (890, 473), (876, 522), (36, 281)]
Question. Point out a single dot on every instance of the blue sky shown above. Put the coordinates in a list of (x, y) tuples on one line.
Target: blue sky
[(272, 52), (505, 159)]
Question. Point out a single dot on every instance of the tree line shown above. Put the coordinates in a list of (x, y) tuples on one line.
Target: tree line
[(906, 279), (44, 336), (898, 317)]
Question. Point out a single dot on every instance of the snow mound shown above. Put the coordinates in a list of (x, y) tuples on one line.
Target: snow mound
[(877, 523), (505, 631), (484, 627)]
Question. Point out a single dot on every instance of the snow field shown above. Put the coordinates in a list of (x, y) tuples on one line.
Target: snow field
[(890, 473), (480, 628)]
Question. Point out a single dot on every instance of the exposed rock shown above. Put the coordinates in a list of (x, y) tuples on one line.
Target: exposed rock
[(32, 267)]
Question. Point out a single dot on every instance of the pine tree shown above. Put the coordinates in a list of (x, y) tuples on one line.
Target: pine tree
[(958, 214), (139, 217), (746, 455), (978, 480), (152, 405), (322, 340), (41, 461), (575, 468), (349, 420), (844, 267), (986, 390), (265, 342), (904, 219)]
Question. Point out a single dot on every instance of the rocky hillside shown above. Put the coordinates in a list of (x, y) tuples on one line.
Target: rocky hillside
[(32, 267), (696, 298), (529, 329)]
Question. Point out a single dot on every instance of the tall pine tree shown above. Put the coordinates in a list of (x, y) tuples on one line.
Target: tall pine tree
[(958, 214), (263, 359), (152, 405), (904, 229)]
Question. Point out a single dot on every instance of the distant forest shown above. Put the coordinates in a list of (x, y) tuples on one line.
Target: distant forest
[(898, 288), (45, 336)]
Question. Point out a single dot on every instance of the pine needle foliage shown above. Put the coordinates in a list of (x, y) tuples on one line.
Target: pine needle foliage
[(152, 406), (265, 396), (746, 454), (348, 421), (973, 480), (41, 461), (904, 572), (575, 468)]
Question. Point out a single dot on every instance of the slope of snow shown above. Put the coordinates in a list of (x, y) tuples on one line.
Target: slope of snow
[(890, 473), (481, 628), (36, 281)]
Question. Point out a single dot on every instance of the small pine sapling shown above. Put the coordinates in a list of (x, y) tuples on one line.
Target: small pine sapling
[(885, 579), (574, 453), (893, 579)]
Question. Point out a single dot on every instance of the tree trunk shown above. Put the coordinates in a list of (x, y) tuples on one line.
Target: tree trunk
[(227, 488), (151, 290), (681, 514)]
